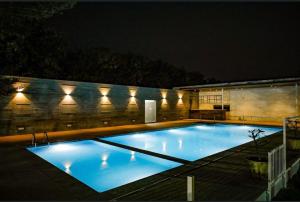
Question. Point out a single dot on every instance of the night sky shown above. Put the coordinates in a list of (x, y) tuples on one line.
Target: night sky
[(227, 41)]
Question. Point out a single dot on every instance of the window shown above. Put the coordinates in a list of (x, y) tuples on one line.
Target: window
[(210, 99)]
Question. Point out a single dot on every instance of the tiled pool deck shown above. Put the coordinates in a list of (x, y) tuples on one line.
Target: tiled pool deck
[(223, 176)]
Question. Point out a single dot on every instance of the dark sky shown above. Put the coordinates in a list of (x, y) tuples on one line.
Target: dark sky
[(227, 41)]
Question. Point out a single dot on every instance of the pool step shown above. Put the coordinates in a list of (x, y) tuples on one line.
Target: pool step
[(183, 161)]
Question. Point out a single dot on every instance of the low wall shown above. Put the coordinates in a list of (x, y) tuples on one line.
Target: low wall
[(54, 105)]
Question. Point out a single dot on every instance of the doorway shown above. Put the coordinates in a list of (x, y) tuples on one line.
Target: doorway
[(150, 111)]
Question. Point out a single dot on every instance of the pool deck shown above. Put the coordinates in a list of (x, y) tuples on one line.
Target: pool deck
[(223, 176), (112, 130)]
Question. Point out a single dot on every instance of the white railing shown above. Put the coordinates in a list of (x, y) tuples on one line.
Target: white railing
[(291, 171), (278, 173), (277, 178)]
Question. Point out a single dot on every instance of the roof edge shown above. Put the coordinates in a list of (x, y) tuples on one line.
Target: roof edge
[(240, 83)]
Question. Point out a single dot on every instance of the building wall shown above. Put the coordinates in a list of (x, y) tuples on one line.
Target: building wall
[(54, 105), (258, 103)]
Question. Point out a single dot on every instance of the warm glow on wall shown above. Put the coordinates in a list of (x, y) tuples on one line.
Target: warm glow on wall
[(20, 98), (132, 91), (164, 101), (20, 86), (163, 93), (132, 101), (67, 89), (180, 94), (104, 91), (180, 102), (104, 100), (20, 95), (20, 89), (68, 100)]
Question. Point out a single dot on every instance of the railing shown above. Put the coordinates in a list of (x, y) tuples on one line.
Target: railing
[(34, 139), (291, 125), (46, 136), (277, 178), (278, 173)]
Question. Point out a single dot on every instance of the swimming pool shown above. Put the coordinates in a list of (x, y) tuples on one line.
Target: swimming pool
[(192, 142), (101, 166)]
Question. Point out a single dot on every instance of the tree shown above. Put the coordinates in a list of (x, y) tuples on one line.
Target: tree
[(6, 86), (22, 32), (29, 48)]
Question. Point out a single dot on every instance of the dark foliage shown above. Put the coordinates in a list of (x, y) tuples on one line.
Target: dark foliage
[(255, 135), (29, 48), (6, 86)]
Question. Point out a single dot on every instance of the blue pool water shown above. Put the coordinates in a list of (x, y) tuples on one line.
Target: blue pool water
[(101, 166), (193, 142)]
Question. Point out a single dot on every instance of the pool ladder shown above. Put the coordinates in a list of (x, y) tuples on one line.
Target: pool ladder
[(34, 140)]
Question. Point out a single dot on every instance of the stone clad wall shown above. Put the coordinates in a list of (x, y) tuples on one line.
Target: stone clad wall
[(256, 103), (54, 105), (265, 103)]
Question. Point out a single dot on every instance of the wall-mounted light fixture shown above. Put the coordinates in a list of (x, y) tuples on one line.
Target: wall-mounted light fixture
[(68, 89), (132, 91), (20, 88), (104, 100), (163, 93), (104, 91), (180, 94)]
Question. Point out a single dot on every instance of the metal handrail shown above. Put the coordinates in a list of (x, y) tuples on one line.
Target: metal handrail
[(46, 135), (33, 140)]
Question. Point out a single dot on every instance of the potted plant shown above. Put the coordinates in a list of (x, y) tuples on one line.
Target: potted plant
[(293, 139), (258, 164)]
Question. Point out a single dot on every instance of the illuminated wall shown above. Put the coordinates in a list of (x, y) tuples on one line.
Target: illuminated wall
[(52, 105), (256, 103)]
